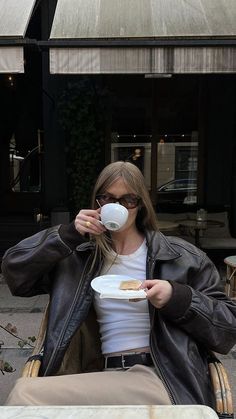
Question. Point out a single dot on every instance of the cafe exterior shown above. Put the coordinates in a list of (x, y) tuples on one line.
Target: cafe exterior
[(89, 82)]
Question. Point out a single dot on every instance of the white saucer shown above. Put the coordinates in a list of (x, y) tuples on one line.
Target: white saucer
[(108, 287)]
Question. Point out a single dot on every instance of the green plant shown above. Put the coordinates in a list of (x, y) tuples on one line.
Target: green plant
[(82, 113)]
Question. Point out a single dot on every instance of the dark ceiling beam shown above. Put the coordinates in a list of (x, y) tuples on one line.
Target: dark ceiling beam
[(75, 43)]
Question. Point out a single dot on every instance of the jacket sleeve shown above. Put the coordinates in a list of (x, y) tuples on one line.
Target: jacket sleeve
[(27, 265), (202, 309)]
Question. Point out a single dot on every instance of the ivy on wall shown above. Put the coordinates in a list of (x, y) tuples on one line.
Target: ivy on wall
[(82, 111)]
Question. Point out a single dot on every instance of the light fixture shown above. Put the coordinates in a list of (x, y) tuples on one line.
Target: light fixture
[(11, 81), (157, 76)]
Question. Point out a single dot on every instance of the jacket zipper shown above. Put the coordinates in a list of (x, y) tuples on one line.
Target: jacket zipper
[(68, 318), (151, 265)]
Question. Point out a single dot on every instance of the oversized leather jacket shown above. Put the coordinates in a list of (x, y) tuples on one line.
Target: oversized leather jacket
[(198, 317)]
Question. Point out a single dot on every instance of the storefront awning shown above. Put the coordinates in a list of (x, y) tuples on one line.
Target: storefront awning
[(14, 19), (95, 36)]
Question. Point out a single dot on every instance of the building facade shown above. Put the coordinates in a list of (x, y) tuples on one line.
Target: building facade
[(145, 81)]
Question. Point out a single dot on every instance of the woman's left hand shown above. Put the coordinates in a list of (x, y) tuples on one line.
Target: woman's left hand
[(159, 291)]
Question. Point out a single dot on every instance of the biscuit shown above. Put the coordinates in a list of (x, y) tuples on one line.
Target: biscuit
[(133, 284)]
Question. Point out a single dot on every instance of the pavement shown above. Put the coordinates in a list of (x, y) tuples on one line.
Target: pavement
[(26, 314)]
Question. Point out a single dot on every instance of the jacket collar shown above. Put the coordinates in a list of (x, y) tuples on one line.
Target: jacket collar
[(159, 247)]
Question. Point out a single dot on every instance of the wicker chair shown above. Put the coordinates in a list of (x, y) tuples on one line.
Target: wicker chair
[(218, 374)]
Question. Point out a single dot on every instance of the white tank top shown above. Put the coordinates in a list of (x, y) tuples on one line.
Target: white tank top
[(124, 324)]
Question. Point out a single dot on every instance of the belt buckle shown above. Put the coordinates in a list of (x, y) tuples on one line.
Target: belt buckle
[(123, 361)]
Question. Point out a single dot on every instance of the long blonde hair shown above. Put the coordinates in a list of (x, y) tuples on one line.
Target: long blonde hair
[(146, 218)]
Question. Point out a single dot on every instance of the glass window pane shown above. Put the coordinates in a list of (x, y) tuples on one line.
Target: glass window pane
[(177, 161)]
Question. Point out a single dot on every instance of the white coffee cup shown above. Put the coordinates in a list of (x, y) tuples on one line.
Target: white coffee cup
[(114, 216)]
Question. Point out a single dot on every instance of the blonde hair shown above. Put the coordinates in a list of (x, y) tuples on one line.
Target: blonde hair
[(146, 218)]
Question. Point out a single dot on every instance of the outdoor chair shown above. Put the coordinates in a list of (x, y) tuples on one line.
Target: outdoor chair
[(218, 374)]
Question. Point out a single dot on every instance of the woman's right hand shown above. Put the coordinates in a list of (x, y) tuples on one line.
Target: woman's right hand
[(88, 221)]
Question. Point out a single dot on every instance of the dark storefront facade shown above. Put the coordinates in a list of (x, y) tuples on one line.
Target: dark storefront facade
[(152, 86)]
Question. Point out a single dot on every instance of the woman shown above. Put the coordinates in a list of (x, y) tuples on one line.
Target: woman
[(152, 351)]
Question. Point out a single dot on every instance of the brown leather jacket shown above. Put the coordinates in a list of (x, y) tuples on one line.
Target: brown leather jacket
[(199, 317)]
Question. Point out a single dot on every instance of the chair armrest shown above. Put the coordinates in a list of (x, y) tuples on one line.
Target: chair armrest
[(221, 387), (32, 365)]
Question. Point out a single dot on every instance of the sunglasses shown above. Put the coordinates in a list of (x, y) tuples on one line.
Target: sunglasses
[(128, 201)]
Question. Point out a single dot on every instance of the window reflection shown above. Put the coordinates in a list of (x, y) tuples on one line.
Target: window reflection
[(25, 171), (177, 161)]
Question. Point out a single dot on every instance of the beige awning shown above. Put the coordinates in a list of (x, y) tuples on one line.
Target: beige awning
[(176, 60), (14, 19), (137, 20)]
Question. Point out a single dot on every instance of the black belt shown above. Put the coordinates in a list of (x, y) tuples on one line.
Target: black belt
[(127, 361)]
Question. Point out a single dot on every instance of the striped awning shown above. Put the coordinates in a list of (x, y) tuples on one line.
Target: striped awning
[(14, 19), (95, 37)]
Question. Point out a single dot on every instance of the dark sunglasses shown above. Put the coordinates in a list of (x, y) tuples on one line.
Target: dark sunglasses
[(128, 201)]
